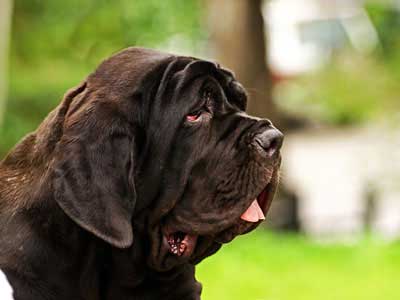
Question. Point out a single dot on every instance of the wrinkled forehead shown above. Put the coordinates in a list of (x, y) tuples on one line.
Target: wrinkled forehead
[(136, 68), (203, 70)]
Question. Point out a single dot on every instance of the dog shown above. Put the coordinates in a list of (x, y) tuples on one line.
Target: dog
[(143, 170)]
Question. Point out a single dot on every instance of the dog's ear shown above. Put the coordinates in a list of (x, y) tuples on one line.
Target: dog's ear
[(93, 170)]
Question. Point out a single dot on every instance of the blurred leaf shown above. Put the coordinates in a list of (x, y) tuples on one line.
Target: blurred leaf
[(56, 44), (352, 89)]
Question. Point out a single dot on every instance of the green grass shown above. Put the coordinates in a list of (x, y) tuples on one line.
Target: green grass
[(266, 266)]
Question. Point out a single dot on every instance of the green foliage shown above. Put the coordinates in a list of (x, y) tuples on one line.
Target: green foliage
[(55, 44), (266, 266), (86, 31), (386, 19)]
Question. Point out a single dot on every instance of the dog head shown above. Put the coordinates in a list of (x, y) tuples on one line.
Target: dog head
[(161, 144)]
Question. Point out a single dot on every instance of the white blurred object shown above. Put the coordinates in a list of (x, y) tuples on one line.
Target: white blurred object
[(332, 172), (5, 288), (303, 34), (382, 169), (320, 167)]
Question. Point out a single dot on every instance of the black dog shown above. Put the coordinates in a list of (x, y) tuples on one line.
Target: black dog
[(141, 172)]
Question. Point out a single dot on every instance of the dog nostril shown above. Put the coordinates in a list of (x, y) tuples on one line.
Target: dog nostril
[(270, 141)]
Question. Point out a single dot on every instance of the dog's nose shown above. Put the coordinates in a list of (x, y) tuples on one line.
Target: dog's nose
[(270, 141)]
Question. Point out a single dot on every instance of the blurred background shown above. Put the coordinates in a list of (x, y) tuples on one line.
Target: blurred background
[(327, 72)]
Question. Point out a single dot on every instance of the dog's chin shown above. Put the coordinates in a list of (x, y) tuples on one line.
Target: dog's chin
[(243, 225), (185, 246)]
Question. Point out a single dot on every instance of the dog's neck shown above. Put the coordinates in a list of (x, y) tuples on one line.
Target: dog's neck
[(75, 257), (137, 281), (20, 176)]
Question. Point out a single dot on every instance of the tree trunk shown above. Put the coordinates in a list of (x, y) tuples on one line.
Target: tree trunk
[(237, 41), (5, 26)]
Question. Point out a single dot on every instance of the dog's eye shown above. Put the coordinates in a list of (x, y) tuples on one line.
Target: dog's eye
[(197, 114), (194, 116)]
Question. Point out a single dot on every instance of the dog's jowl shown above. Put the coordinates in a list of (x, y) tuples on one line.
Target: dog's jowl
[(143, 170)]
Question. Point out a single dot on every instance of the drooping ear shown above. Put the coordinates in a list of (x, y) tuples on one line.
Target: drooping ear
[(93, 174)]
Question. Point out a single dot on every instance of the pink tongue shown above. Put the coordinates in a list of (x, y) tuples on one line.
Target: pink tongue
[(254, 213)]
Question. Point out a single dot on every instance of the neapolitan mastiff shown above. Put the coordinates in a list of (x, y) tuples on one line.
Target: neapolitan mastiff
[(143, 170)]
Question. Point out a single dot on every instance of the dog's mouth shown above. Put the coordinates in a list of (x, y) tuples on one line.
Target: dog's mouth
[(182, 244), (258, 208), (254, 214)]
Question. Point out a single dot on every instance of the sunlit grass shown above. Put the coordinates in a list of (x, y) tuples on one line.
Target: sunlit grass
[(265, 266)]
